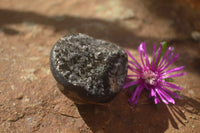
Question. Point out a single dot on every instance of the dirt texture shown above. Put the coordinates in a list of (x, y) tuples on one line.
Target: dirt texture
[(29, 98)]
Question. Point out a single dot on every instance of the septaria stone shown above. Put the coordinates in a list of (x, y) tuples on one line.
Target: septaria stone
[(88, 70)]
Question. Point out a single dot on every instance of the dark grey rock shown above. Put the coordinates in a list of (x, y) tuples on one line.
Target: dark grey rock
[(88, 69)]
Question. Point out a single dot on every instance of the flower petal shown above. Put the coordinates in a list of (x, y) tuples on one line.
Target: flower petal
[(166, 60), (129, 79), (172, 60), (145, 55), (173, 70), (158, 56), (135, 96), (161, 97), (174, 75), (153, 93), (154, 53), (133, 69), (130, 84), (134, 64), (133, 58), (141, 50), (170, 85), (170, 92), (156, 100), (167, 97), (165, 56)]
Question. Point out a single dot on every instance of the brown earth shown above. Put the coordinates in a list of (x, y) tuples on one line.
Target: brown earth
[(29, 98)]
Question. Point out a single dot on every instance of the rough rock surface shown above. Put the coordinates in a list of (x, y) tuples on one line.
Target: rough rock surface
[(88, 69), (29, 99)]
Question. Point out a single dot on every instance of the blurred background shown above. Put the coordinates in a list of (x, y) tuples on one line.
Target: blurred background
[(29, 98)]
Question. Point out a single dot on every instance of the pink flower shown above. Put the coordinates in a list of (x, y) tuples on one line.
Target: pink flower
[(154, 75)]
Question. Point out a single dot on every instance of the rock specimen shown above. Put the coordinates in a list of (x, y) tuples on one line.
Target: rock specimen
[(88, 70)]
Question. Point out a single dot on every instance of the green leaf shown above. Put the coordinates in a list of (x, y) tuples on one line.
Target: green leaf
[(132, 61), (132, 88), (157, 106), (164, 46), (169, 79)]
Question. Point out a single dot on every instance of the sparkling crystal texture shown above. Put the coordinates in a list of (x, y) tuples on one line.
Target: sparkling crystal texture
[(88, 69)]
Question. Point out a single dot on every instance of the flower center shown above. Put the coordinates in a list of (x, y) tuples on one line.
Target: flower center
[(150, 77)]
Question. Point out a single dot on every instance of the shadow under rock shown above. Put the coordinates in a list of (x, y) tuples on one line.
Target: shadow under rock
[(119, 116)]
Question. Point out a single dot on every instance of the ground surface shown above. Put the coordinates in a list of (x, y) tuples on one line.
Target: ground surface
[(29, 98)]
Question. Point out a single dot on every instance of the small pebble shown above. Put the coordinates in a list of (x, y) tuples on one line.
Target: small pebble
[(34, 58), (195, 35), (128, 14), (13, 87), (193, 117), (26, 99), (191, 92), (20, 96)]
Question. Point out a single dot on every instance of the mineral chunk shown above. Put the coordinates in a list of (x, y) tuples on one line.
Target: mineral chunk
[(88, 70)]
